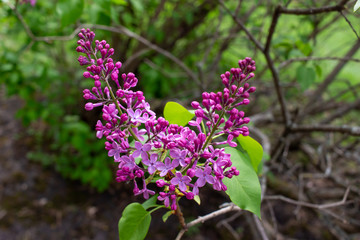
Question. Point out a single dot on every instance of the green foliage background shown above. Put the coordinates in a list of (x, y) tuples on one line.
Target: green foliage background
[(46, 75)]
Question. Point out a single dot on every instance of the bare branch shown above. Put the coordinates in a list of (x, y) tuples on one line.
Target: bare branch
[(202, 219), (311, 11), (351, 26), (304, 59), (274, 21), (127, 32), (260, 227), (328, 80), (311, 205), (352, 130), (247, 32)]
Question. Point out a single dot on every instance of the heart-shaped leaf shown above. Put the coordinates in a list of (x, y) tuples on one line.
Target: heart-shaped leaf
[(253, 149), (244, 190), (134, 223), (177, 114)]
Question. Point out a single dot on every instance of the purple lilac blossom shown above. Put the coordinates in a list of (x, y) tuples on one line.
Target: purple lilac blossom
[(32, 2), (182, 159)]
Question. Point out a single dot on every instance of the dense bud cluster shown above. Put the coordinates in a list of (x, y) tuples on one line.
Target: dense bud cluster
[(180, 160)]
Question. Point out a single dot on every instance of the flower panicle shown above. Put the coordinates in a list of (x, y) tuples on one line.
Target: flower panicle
[(180, 160)]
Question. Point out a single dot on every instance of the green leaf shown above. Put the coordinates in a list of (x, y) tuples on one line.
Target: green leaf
[(151, 202), (166, 216), (134, 223), (357, 5), (305, 48), (318, 70), (244, 190), (177, 114), (253, 149), (305, 76), (69, 11), (119, 2)]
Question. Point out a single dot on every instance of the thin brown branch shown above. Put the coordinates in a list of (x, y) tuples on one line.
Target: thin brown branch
[(352, 130), (341, 111), (119, 29), (328, 80), (260, 228), (305, 59), (247, 32), (284, 111), (271, 31), (127, 32), (311, 205), (42, 38), (312, 11), (205, 218), (351, 26)]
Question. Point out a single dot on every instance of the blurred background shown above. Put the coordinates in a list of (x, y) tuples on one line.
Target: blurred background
[(56, 180)]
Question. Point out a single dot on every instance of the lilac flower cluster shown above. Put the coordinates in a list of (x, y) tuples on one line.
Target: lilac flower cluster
[(32, 2), (180, 160)]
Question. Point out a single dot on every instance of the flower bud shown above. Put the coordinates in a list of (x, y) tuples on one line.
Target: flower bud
[(118, 65), (86, 75), (252, 89), (97, 83), (195, 104), (189, 195), (89, 106), (190, 172), (99, 61), (160, 183)]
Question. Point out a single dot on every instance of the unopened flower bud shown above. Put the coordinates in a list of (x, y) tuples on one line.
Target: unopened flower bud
[(190, 172), (189, 195), (89, 106), (118, 65), (86, 75)]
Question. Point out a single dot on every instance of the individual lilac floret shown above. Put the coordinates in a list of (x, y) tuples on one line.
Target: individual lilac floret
[(204, 176), (181, 181), (167, 166), (151, 163), (141, 150)]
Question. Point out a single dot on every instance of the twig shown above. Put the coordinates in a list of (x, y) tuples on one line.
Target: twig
[(289, 61), (118, 29), (42, 38), (352, 130), (260, 228), (351, 26), (311, 205), (247, 32), (328, 80), (127, 32), (312, 11), (202, 219)]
